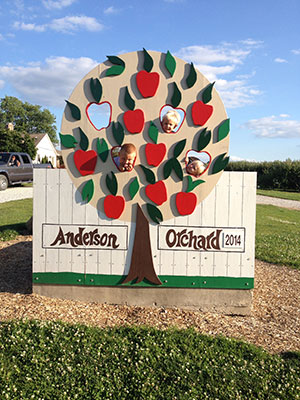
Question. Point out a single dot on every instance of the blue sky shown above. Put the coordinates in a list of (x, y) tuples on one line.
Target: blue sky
[(250, 48)]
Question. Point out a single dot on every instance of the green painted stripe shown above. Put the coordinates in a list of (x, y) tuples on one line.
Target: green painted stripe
[(211, 282)]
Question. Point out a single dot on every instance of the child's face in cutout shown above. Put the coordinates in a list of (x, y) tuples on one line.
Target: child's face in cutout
[(195, 168), (168, 125), (126, 161)]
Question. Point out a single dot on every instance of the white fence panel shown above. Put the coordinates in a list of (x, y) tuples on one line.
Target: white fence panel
[(230, 208)]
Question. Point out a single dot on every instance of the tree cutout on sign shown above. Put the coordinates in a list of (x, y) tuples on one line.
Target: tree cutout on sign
[(158, 186)]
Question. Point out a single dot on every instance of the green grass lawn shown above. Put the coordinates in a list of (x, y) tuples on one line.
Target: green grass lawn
[(280, 194), (13, 217), (53, 360), (278, 235)]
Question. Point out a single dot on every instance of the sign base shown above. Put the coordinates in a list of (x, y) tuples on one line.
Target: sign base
[(225, 301)]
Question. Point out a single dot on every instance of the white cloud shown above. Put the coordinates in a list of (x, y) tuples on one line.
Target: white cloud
[(280, 60), (252, 42), (48, 83), (205, 55), (216, 61), (57, 4), (236, 93), (67, 24), (274, 127), (75, 23), (111, 10), (236, 158), (296, 52), (29, 27)]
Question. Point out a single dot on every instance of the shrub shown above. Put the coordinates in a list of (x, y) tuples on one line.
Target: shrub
[(280, 175)]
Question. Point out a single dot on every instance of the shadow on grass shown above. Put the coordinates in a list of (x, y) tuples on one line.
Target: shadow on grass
[(16, 268), (292, 357), (8, 232)]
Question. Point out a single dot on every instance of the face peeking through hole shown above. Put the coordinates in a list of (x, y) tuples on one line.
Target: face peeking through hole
[(126, 157), (170, 121), (195, 168), (196, 163)]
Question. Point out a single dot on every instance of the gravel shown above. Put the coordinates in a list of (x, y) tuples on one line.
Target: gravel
[(291, 204), (16, 193)]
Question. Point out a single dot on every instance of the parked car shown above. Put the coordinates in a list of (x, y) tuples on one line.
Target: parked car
[(16, 168)]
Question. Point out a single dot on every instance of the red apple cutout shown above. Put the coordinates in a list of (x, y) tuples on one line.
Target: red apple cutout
[(147, 83), (155, 153), (134, 120), (201, 112), (85, 161), (157, 192), (186, 203), (99, 114), (114, 206)]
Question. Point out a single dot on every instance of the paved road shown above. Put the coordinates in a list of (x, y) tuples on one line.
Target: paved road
[(16, 193)]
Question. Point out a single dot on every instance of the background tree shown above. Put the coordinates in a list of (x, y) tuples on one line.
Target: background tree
[(16, 141), (27, 119), (138, 88)]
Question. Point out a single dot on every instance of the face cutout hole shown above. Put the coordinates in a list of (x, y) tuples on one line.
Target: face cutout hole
[(124, 157), (196, 163), (99, 114), (171, 119)]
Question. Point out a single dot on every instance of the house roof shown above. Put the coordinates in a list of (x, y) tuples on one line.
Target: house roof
[(37, 137)]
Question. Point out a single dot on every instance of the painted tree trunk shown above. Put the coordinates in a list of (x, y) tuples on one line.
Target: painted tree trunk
[(141, 266)]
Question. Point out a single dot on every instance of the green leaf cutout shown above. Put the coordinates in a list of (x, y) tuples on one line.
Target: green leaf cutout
[(130, 103), (150, 177), (206, 95), (118, 132), (192, 77), (96, 89), (204, 139), (176, 96), (67, 141), (220, 163), (88, 191), (112, 183), (148, 61), (192, 184), (117, 68), (170, 63), (178, 169), (223, 130), (168, 167), (179, 148), (116, 60), (153, 132), (154, 213), (84, 141), (102, 149), (134, 188), (75, 111)]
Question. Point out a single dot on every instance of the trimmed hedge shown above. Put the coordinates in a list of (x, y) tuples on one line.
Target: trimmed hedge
[(281, 175)]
